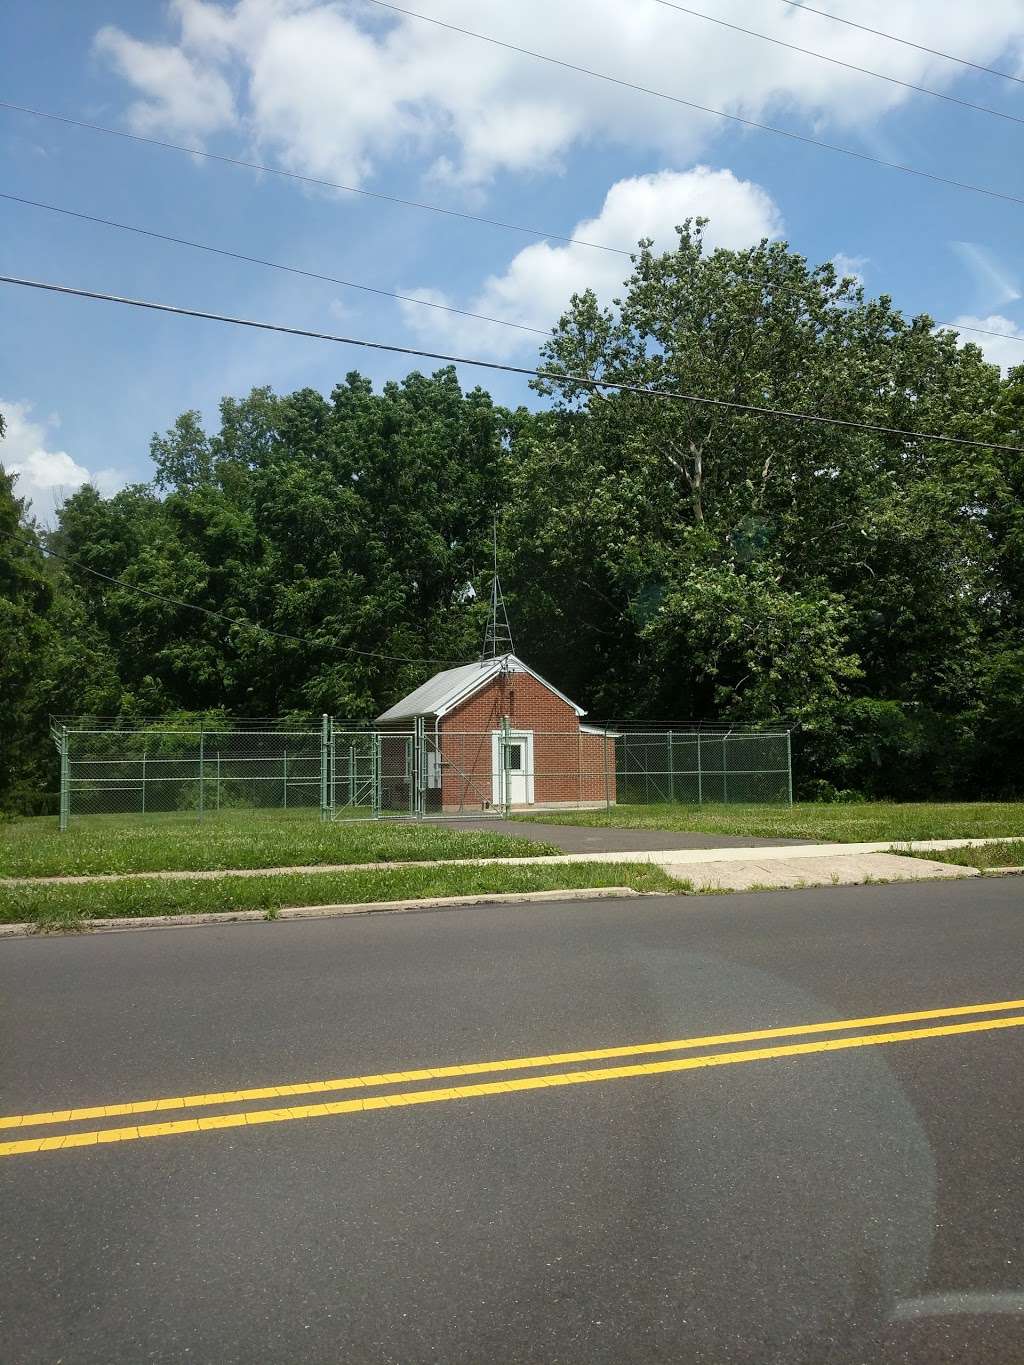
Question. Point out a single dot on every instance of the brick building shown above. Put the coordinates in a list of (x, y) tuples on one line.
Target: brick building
[(494, 733)]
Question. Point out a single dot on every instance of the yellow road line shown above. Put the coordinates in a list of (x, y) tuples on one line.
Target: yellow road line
[(272, 1092), (506, 1087)]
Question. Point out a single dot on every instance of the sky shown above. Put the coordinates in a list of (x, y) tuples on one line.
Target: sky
[(356, 93)]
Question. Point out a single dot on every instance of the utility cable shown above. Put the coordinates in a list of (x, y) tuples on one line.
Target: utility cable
[(704, 108), (553, 376), (385, 293), (272, 265), (905, 42), (835, 61), (307, 179)]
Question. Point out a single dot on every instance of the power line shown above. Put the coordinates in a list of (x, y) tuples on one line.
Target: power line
[(551, 375), (385, 293), (704, 108), (905, 42), (331, 279), (850, 66), (273, 265), (982, 331), (308, 179), (219, 615)]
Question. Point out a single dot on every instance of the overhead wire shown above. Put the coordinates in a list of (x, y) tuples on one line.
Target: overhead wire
[(242, 622), (272, 265), (350, 284), (555, 376), (905, 42), (789, 133), (307, 179), (794, 136), (982, 331), (836, 61)]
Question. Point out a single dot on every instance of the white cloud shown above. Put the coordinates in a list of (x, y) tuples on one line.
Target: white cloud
[(1000, 351), (182, 94), (332, 87), (993, 281), (45, 477), (538, 282), (852, 266)]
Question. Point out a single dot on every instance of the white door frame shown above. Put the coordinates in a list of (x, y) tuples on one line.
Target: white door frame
[(524, 737)]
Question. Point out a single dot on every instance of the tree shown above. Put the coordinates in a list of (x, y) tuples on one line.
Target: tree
[(352, 525), (716, 561), (25, 598)]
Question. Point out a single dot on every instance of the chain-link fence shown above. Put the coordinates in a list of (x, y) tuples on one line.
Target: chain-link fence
[(162, 768), (335, 770), (701, 765)]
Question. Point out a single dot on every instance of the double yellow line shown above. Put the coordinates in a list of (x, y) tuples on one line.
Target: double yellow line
[(508, 1085)]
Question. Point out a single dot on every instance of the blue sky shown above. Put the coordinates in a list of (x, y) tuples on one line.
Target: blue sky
[(354, 93)]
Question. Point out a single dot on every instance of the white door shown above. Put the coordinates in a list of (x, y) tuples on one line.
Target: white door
[(517, 762)]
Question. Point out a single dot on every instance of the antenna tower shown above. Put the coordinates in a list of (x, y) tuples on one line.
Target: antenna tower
[(498, 635)]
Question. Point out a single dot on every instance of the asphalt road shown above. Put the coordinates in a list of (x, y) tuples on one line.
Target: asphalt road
[(858, 1204)]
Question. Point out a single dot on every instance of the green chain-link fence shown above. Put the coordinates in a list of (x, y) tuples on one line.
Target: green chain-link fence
[(335, 770)]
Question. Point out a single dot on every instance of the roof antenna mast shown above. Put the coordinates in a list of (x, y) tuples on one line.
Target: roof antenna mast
[(498, 635)]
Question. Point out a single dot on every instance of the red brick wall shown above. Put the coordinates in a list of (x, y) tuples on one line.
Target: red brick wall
[(567, 765)]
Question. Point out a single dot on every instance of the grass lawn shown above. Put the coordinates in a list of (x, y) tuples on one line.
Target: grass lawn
[(62, 906), (817, 823), (1009, 853), (180, 843)]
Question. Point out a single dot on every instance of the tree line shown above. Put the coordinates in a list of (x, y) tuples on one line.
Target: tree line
[(661, 559)]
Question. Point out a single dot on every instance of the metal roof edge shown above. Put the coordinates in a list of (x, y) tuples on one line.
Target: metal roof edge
[(488, 669), (467, 690)]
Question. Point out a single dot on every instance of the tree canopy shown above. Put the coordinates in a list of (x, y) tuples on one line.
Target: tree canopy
[(661, 558)]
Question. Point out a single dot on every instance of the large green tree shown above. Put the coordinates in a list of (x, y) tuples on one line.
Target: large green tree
[(708, 560), (663, 558), (356, 525)]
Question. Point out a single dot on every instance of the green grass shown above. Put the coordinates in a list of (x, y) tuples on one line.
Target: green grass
[(179, 843), (866, 822), (1009, 853), (59, 906)]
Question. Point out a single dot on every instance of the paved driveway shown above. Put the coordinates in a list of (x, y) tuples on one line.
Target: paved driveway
[(608, 839)]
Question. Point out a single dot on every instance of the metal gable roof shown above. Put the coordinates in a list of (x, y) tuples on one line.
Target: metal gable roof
[(445, 690)]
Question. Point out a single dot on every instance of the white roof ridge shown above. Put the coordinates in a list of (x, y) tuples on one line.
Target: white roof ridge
[(445, 690)]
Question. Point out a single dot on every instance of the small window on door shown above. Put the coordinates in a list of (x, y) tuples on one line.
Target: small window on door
[(515, 757)]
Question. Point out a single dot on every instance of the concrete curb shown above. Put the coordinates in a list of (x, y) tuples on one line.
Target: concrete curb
[(122, 924)]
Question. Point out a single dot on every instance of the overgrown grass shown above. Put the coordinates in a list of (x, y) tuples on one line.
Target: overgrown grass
[(866, 822), (56, 906), (1009, 853), (180, 843)]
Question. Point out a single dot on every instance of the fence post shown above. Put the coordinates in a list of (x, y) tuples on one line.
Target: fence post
[(789, 765), (143, 779), (218, 780), (607, 783), (506, 771), (700, 774), (286, 779), (65, 794), (725, 770), (323, 767), (202, 784), (419, 767), (332, 758), (377, 793), (671, 774)]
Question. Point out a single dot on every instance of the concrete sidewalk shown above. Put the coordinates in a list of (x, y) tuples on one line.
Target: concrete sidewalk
[(736, 868)]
